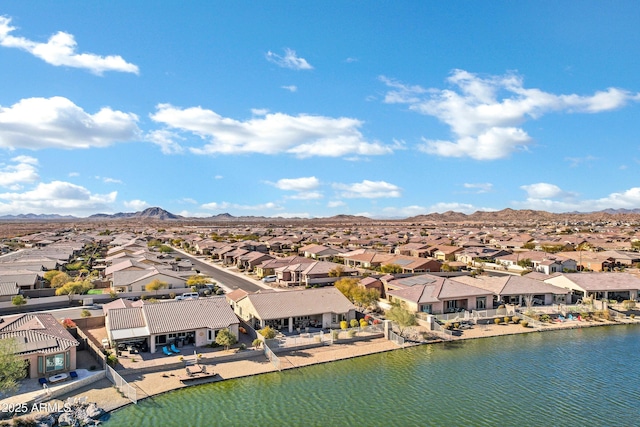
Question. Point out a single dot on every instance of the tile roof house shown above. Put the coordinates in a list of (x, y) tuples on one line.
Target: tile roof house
[(435, 295), (322, 307), (44, 343), (8, 290), (194, 321), (518, 290), (618, 286), (136, 280)]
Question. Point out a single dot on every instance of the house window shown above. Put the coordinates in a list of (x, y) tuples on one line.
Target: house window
[(161, 339), (451, 305), (211, 334), (481, 303), (54, 363), (426, 308)]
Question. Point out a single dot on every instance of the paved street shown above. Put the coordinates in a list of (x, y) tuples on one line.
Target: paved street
[(224, 278)]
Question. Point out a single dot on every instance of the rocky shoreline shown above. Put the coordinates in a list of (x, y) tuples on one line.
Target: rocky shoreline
[(73, 413)]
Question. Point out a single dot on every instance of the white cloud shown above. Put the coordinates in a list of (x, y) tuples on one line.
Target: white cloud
[(166, 141), (307, 195), (577, 161), (56, 197), (259, 111), (552, 198), (37, 123), (136, 205), (274, 133), (290, 88), (485, 113), (368, 190), (74, 174), (23, 171), (60, 49), (304, 187), (289, 60), (298, 184), (336, 204), (218, 177), (483, 187), (543, 190), (215, 206), (108, 180)]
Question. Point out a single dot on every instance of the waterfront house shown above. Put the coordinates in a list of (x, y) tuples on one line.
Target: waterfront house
[(432, 294), (322, 308), (192, 321), (519, 290), (608, 286), (44, 343)]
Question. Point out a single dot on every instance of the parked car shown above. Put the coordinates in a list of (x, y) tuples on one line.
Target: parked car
[(269, 279), (187, 295)]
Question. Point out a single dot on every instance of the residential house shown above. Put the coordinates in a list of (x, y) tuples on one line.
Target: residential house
[(519, 290), (136, 280), (322, 308), (267, 268), (190, 322), (8, 290), (608, 286), (44, 343), (435, 295)]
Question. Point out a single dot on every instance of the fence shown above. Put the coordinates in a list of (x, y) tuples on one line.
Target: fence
[(123, 387), (275, 360), (446, 334), (532, 322), (498, 312), (396, 338), (95, 352), (459, 316)]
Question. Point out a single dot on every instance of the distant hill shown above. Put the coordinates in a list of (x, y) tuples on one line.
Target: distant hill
[(36, 217), (154, 213), (503, 216)]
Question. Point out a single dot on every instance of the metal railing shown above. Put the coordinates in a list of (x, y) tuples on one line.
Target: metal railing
[(396, 338), (275, 360), (445, 333), (121, 384)]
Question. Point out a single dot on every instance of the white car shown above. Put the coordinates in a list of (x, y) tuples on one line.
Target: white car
[(269, 279), (188, 295)]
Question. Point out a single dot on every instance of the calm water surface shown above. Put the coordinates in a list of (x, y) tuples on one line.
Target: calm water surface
[(575, 377)]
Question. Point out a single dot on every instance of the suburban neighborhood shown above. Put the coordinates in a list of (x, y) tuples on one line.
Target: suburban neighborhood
[(85, 302)]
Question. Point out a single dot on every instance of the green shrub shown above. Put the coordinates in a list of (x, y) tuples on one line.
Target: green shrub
[(506, 319), (351, 333), (112, 359), (524, 323), (515, 319), (448, 326), (335, 334), (257, 343), (344, 324), (172, 295), (545, 318), (363, 323), (629, 304), (632, 315), (85, 313), (497, 320), (456, 325), (354, 323)]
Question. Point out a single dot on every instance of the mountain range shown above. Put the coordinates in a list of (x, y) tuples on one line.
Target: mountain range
[(505, 215)]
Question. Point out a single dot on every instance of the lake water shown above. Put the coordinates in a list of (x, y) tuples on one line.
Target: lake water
[(573, 377)]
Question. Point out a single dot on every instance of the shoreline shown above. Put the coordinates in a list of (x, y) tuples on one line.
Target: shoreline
[(157, 383)]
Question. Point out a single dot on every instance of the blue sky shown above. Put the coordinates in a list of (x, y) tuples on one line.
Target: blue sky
[(384, 109)]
